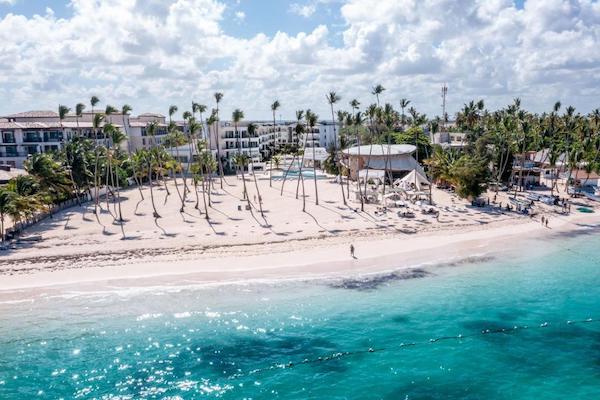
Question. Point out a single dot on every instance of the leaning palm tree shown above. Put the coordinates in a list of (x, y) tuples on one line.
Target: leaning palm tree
[(299, 129), (332, 98), (62, 113), (107, 137), (377, 90), (311, 120), (274, 107), (176, 139), (148, 156), (241, 161)]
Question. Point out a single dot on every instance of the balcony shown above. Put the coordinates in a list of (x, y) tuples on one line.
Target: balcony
[(13, 154), (53, 137), (32, 139)]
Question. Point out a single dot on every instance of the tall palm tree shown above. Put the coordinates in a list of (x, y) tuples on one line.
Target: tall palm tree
[(214, 121), (403, 104), (218, 98), (236, 117), (125, 110), (332, 98), (311, 120), (117, 137), (201, 109), (96, 124), (78, 114), (358, 121), (274, 107), (107, 134), (151, 132), (372, 112), (94, 101), (376, 91), (62, 113), (252, 133)]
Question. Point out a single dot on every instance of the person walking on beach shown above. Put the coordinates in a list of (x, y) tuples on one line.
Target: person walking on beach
[(543, 220), (547, 222), (352, 251)]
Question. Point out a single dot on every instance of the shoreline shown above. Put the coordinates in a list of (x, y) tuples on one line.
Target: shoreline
[(298, 259)]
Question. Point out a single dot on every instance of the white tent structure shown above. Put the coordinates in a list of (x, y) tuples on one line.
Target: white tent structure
[(414, 180), (396, 159)]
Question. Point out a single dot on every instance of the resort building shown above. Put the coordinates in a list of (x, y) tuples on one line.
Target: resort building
[(27, 133)]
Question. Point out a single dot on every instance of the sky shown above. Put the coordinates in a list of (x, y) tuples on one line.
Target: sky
[(154, 53)]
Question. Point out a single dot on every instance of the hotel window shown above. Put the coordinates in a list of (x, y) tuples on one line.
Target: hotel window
[(8, 137)]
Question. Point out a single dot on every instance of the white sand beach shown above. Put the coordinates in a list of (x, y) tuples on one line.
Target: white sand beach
[(78, 248)]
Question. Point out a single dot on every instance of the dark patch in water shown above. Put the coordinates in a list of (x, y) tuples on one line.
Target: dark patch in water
[(401, 319), (466, 261), (247, 353), (374, 282)]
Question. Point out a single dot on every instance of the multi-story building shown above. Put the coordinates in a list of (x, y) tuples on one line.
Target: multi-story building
[(33, 132)]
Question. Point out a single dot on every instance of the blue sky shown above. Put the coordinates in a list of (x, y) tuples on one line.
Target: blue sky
[(295, 51)]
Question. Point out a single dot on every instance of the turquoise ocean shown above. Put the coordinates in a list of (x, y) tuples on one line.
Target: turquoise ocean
[(491, 327)]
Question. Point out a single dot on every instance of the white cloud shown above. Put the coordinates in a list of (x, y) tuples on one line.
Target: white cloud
[(303, 10), (240, 15), (153, 53)]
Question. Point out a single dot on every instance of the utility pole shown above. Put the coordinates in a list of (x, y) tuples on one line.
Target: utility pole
[(444, 94)]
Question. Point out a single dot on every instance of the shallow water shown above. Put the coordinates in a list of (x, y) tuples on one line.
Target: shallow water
[(196, 342)]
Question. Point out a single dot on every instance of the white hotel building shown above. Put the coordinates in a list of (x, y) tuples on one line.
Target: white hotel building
[(33, 132)]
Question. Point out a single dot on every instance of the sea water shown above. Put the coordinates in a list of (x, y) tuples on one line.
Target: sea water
[(368, 338)]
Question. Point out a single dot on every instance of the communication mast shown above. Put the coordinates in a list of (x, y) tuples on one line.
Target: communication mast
[(444, 94)]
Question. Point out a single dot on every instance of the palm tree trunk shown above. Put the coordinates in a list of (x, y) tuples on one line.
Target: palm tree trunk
[(259, 196), (156, 214), (301, 166), (205, 185), (315, 177), (286, 173)]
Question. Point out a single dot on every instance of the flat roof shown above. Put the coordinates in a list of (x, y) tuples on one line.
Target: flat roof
[(381, 149)]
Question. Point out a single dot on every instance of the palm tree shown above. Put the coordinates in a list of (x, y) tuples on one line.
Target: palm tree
[(214, 121), (332, 98), (311, 120), (403, 104), (274, 107), (125, 110), (201, 109), (372, 112), (218, 98), (94, 101), (117, 137), (358, 121), (78, 114), (236, 117), (151, 131), (377, 90), (96, 123), (176, 139)]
